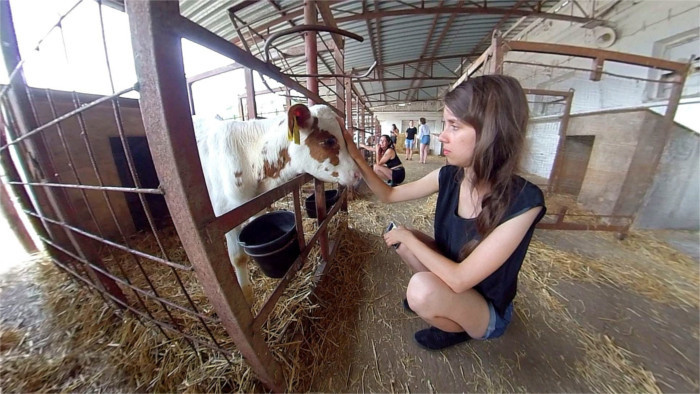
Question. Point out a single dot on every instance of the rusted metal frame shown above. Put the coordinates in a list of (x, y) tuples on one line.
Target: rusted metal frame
[(68, 115), (423, 53), (310, 18), (498, 25), (105, 241), (104, 271), (9, 211), (406, 62), (447, 68), (202, 36), (496, 61), (407, 79), (161, 325), (130, 285), (338, 62), (559, 156), (17, 68), (88, 146), (298, 264), (638, 184), (135, 179), (436, 47), (251, 106), (465, 10), (89, 187), (214, 72), (475, 65), (156, 29), (593, 53), (28, 199), (329, 20), (348, 103), (290, 16), (580, 9), (20, 100), (601, 72), (380, 60), (226, 222), (403, 90)]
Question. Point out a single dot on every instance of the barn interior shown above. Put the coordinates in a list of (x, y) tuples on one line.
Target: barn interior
[(117, 275)]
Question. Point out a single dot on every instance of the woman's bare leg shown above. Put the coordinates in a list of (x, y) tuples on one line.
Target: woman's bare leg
[(441, 307), (383, 172)]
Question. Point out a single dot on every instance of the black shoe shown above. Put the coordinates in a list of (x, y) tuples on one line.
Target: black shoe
[(434, 338), (407, 307)]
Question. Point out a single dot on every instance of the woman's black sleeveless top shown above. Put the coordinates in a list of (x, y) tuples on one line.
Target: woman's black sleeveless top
[(453, 232)]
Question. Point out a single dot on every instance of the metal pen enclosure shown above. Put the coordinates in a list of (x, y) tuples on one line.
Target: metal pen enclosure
[(59, 149)]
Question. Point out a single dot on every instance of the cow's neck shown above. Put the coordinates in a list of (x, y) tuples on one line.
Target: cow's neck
[(277, 164)]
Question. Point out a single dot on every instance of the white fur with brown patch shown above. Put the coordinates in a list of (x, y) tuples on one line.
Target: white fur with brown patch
[(244, 159)]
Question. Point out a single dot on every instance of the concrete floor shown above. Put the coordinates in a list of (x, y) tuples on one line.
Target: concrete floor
[(578, 335)]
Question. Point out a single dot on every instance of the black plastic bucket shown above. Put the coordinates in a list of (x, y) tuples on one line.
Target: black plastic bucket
[(271, 240), (310, 204)]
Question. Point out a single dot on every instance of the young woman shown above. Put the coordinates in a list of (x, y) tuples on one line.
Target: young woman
[(410, 138), (465, 278), (424, 138), (394, 134), (388, 167)]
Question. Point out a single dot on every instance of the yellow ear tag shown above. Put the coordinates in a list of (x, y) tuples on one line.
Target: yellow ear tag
[(293, 133)]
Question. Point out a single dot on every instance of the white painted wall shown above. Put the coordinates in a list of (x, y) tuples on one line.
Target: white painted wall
[(662, 29)]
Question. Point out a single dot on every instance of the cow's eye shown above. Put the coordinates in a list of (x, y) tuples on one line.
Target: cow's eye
[(329, 142)]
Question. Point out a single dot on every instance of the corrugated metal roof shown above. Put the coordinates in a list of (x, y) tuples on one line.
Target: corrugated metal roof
[(399, 32)]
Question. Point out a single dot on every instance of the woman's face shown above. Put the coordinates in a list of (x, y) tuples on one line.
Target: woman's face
[(383, 142), (458, 140)]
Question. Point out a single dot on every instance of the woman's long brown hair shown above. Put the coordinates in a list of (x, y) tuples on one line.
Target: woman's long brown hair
[(496, 106)]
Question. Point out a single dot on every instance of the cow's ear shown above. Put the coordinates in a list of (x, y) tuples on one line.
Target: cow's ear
[(298, 116)]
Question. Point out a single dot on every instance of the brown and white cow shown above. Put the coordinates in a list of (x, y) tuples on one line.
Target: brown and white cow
[(244, 159)]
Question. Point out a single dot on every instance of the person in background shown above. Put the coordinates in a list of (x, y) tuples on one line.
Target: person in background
[(410, 139), (424, 138), (388, 166), (394, 134), (465, 276)]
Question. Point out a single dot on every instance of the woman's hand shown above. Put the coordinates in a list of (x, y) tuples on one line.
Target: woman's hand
[(398, 234), (352, 148)]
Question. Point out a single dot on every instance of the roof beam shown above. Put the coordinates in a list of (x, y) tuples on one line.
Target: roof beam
[(462, 11), (445, 30), (423, 53)]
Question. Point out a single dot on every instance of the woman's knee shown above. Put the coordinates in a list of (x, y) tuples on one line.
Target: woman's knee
[(421, 291)]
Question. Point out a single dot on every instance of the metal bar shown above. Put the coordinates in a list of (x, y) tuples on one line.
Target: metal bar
[(558, 162), (156, 29), (14, 221), (111, 243), (448, 10), (310, 18), (589, 70), (267, 308), (234, 218), (89, 187), (67, 116), (160, 324), (198, 34), (136, 182), (128, 283), (20, 100), (593, 53)]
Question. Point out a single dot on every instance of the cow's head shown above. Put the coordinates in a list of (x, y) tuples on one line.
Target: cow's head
[(321, 151)]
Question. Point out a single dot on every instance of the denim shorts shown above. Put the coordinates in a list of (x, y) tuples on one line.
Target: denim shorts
[(409, 144), (497, 325), (425, 140)]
